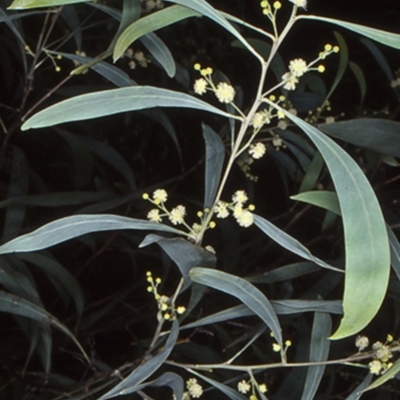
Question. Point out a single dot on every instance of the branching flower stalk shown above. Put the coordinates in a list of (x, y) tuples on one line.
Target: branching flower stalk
[(236, 150)]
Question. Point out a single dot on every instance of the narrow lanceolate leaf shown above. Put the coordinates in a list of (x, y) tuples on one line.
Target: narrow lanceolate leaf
[(174, 381), (388, 38), (151, 23), (371, 133), (185, 254), (109, 102), (67, 228), (244, 291), (319, 350), (366, 240), (143, 371), (215, 153), (12, 304), (288, 242), (21, 4)]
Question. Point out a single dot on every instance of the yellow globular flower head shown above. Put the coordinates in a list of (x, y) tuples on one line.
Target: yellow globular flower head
[(212, 224), (389, 338), (160, 196), (264, 4), (243, 387), (154, 215), (290, 81), (177, 215), (194, 388), (257, 150), (272, 97), (263, 388), (276, 347), (253, 397), (245, 218), (180, 310), (328, 47), (225, 93), (200, 86), (335, 49), (321, 68), (240, 197), (221, 209), (277, 5), (362, 342), (298, 67), (375, 367), (145, 196), (197, 67), (299, 3)]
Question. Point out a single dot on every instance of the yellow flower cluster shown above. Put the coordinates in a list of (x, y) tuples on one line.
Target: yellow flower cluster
[(298, 67), (382, 353), (244, 216), (245, 386), (167, 311), (224, 92), (194, 388)]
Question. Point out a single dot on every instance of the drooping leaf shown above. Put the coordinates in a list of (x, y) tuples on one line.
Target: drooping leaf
[(362, 83), (319, 351), (21, 4), (61, 277), (320, 198), (288, 242), (248, 294), (143, 371), (160, 52), (67, 228), (311, 177), (376, 134), (366, 242), (281, 307), (388, 38), (183, 253), (174, 381), (215, 154), (16, 305), (109, 102)]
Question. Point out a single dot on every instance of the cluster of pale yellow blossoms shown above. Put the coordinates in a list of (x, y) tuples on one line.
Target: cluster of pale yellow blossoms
[(224, 92), (382, 353), (298, 67), (194, 390), (244, 216), (136, 58), (245, 387), (176, 215), (167, 310)]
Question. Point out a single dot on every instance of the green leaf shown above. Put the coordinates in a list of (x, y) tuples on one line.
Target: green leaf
[(185, 254), (281, 307), (143, 371), (215, 154), (320, 198), (174, 381), (248, 294), (157, 48), (319, 350), (288, 242), (384, 37), (359, 74), (67, 228), (376, 134), (109, 102), (311, 177), (21, 4), (150, 23), (366, 241), (12, 304)]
